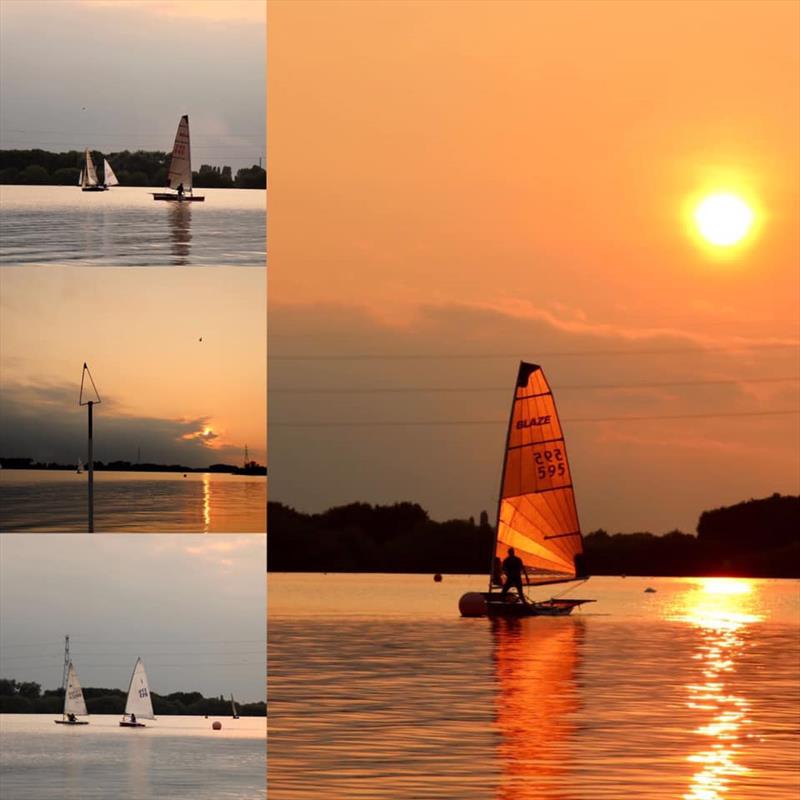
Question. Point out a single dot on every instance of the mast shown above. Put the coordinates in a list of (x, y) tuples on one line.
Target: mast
[(502, 476), (89, 404), (64, 675)]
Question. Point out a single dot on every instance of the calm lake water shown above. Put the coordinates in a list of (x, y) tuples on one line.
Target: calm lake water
[(175, 757), (125, 227), (56, 501), (378, 689)]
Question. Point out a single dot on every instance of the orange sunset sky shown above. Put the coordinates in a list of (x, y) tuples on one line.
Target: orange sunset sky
[(513, 179), (162, 389)]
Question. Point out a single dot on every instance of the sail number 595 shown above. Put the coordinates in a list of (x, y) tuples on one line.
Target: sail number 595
[(549, 463)]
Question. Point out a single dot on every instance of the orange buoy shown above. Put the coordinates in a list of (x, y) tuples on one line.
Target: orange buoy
[(217, 726), (438, 577)]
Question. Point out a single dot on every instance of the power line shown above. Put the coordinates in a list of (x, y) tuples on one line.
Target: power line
[(447, 423), (546, 354), (559, 387)]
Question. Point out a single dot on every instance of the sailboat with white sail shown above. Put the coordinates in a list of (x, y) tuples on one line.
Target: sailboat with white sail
[(234, 710), (179, 176), (537, 518), (74, 704), (88, 180), (139, 704)]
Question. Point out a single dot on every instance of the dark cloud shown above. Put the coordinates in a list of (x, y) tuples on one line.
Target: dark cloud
[(44, 422)]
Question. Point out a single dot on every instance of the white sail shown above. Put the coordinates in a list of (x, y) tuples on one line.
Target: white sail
[(139, 701), (80, 179), (180, 167), (234, 712), (108, 174), (90, 178), (73, 694)]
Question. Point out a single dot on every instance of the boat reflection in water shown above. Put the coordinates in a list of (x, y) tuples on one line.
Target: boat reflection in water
[(721, 609), (179, 217), (536, 662)]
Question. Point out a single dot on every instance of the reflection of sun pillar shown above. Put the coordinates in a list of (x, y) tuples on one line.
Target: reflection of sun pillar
[(535, 667), (206, 502), (717, 613)]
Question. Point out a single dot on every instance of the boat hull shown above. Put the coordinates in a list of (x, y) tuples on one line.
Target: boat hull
[(486, 604), (174, 198), (94, 188), (132, 725), (67, 722)]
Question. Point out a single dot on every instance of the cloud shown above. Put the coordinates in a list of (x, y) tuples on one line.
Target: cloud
[(232, 11), (43, 421), (598, 371)]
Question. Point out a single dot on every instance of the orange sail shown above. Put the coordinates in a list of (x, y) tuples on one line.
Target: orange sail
[(537, 514)]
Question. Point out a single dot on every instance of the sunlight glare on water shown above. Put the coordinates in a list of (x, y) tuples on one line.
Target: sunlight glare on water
[(57, 501), (378, 689)]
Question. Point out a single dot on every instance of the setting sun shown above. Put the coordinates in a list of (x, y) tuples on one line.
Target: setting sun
[(723, 219)]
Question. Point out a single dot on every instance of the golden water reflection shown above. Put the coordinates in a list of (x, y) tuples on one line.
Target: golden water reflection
[(721, 609), (179, 216), (535, 665), (206, 502)]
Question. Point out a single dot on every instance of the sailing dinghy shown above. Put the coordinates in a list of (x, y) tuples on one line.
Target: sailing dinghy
[(536, 515), (179, 176), (74, 704), (234, 711), (88, 180), (139, 705)]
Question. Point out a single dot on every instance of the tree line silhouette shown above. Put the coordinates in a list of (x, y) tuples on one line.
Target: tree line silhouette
[(756, 538), (28, 698), (138, 168)]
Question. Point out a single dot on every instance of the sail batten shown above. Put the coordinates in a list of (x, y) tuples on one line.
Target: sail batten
[(537, 515)]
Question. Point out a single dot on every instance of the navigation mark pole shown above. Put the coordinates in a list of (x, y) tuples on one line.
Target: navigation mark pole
[(91, 472), (90, 403)]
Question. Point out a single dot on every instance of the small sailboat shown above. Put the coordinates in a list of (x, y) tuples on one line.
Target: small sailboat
[(80, 467), (89, 181), (139, 704), (537, 517), (179, 176), (234, 710), (74, 704)]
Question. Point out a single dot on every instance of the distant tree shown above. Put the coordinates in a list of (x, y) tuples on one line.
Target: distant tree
[(35, 174), (7, 687), (30, 690), (9, 175), (66, 176), (251, 178), (135, 179)]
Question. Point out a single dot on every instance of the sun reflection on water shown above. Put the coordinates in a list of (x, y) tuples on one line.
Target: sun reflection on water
[(206, 502), (721, 609)]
